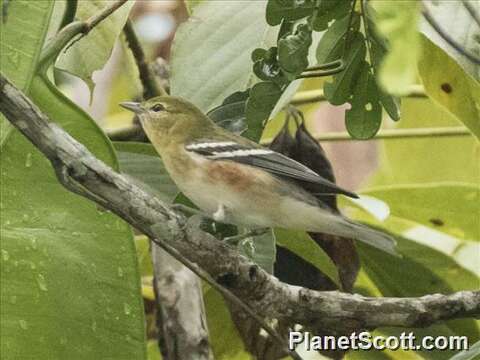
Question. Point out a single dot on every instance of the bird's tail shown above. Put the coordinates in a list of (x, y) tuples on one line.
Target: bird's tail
[(370, 236)]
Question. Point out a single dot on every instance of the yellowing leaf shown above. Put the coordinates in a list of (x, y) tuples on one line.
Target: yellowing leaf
[(450, 86)]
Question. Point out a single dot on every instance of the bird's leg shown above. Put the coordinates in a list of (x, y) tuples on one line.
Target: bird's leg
[(219, 215), (234, 240)]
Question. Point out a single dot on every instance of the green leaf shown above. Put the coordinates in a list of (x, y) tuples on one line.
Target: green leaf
[(153, 351), (263, 97), (266, 66), (211, 52), (448, 207), (469, 354), (230, 116), (455, 20), (302, 244), (331, 44), (339, 91), (364, 117), (91, 52), (142, 245), (141, 163), (278, 10), (225, 340), (293, 50), (329, 10), (449, 86), (20, 44), (398, 21), (69, 278), (378, 50)]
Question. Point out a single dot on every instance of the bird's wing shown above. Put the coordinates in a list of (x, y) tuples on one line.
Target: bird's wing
[(265, 159)]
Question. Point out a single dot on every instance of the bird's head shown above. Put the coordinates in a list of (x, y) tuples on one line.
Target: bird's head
[(167, 118)]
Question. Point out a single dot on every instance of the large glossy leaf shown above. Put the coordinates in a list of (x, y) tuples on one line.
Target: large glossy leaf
[(398, 22), (92, 52), (211, 51), (69, 278), (21, 44), (455, 20), (450, 86), (452, 208), (421, 271)]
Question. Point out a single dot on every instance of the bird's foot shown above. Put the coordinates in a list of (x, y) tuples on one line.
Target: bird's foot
[(235, 240), (220, 214)]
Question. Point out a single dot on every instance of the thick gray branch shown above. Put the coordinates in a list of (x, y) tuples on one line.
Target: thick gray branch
[(271, 298), (182, 312)]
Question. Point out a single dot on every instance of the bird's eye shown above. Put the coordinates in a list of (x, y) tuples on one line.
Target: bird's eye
[(157, 107)]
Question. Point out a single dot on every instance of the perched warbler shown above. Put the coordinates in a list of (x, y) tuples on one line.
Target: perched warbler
[(235, 180)]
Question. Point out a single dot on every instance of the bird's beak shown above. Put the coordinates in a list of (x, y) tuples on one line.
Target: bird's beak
[(132, 106)]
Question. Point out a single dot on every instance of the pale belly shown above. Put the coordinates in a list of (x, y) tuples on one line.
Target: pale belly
[(237, 209), (248, 196)]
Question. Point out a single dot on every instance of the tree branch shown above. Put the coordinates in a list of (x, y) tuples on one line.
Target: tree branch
[(182, 312), (151, 88), (271, 298)]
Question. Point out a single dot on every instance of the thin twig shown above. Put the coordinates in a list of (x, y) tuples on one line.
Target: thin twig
[(306, 75), (367, 34), (445, 36), (312, 96), (72, 30), (151, 88), (471, 11), (392, 134)]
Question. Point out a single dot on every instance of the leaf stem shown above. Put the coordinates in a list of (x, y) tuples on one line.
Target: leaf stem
[(312, 96), (69, 14), (314, 74), (388, 134), (331, 64), (339, 63), (349, 29), (367, 34), (151, 88)]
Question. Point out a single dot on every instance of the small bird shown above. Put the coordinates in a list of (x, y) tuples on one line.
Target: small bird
[(236, 181)]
